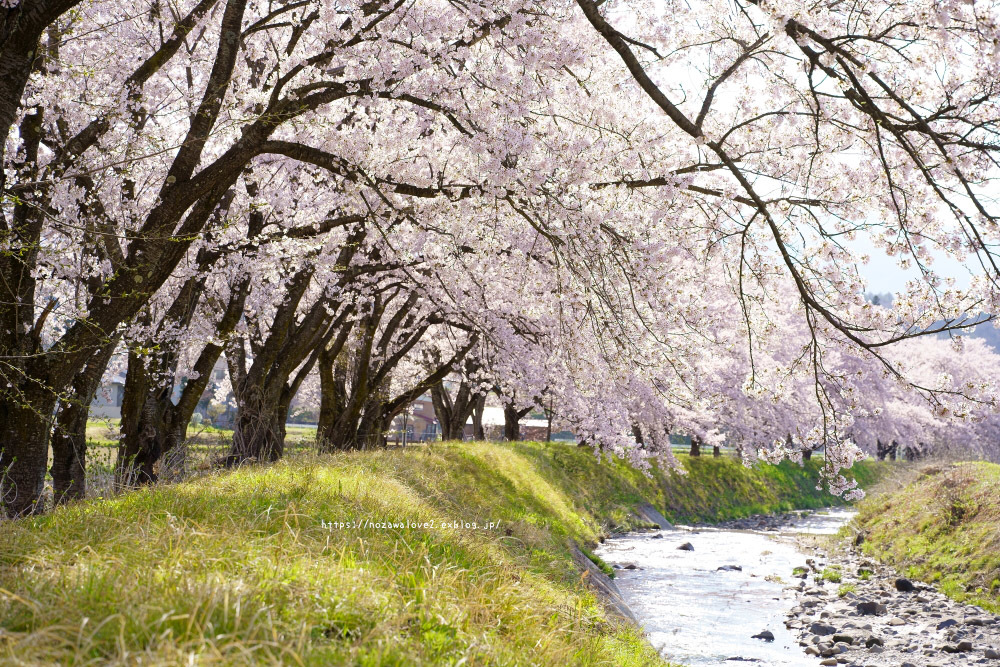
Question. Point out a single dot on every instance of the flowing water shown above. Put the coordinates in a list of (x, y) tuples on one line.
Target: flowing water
[(701, 615)]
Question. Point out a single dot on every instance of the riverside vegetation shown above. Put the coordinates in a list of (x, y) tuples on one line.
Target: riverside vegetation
[(938, 527), (244, 566), (941, 528)]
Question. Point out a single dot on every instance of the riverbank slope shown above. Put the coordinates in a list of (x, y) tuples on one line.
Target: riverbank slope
[(301, 562), (942, 528)]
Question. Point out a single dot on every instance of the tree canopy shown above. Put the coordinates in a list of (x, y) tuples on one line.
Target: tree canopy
[(654, 216)]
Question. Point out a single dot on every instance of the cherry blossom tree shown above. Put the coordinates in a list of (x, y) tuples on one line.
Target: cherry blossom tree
[(647, 214)]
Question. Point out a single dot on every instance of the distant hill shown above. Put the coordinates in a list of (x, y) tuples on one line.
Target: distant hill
[(987, 332)]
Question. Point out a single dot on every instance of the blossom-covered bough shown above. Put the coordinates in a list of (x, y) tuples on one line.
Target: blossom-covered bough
[(644, 219), (822, 123)]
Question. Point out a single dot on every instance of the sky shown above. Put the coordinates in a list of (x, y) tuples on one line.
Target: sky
[(884, 275)]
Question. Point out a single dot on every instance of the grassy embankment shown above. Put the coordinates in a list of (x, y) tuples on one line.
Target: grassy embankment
[(244, 566), (944, 528)]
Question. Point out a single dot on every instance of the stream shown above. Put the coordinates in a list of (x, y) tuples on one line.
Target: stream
[(699, 614)]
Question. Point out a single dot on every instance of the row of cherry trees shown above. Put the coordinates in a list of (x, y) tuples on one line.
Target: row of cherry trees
[(648, 215)]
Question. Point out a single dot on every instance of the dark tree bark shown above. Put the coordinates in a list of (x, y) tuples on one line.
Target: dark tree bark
[(549, 414), (26, 423), (716, 451), (333, 395), (152, 424), (695, 446), (358, 408), (478, 432), (263, 392), (512, 422), (454, 413), (69, 437), (885, 450)]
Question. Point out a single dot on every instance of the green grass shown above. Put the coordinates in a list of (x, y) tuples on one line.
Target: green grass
[(599, 562), (245, 567), (944, 528), (831, 574), (846, 588)]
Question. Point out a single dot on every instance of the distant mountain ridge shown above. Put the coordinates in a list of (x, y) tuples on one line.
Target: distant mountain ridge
[(986, 332)]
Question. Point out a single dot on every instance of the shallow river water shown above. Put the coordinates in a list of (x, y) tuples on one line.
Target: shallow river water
[(701, 615)]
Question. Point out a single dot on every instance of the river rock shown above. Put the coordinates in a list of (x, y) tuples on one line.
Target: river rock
[(822, 629), (847, 639), (991, 654), (687, 546), (766, 635), (730, 568), (947, 623), (871, 608), (828, 662), (961, 647), (904, 585), (896, 621)]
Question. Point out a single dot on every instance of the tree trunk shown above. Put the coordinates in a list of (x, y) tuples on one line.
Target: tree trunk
[(333, 401), (143, 424), (258, 436), (453, 415), (881, 450), (716, 451), (511, 423), (69, 437), (550, 413), (26, 423), (807, 454), (372, 426), (478, 432), (69, 453), (695, 446)]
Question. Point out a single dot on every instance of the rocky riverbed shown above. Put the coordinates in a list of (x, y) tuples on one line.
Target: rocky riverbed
[(852, 611), (765, 522)]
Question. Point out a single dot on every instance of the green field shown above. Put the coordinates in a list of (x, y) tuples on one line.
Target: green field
[(252, 565)]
